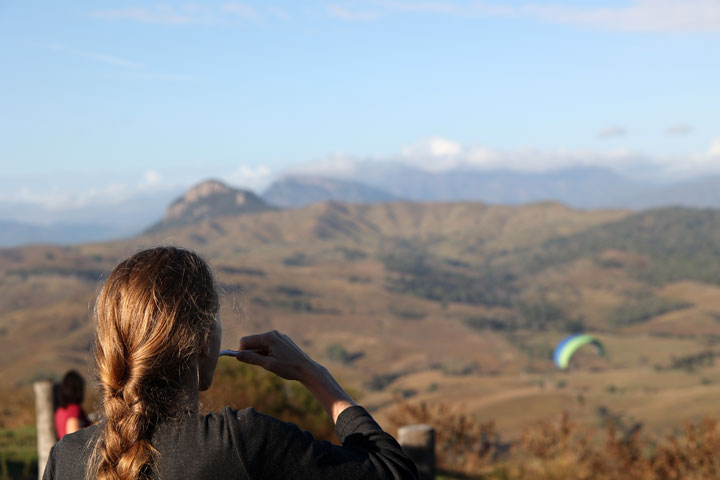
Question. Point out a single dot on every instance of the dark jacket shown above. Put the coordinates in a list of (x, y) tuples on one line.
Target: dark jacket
[(245, 444)]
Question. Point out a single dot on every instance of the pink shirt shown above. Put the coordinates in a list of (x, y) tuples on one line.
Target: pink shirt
[(62, 414)]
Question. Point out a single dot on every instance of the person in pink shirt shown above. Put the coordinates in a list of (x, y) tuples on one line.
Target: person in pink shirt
[(70, 416)]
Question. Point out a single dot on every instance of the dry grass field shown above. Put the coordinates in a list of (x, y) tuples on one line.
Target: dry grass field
[(454, 305)]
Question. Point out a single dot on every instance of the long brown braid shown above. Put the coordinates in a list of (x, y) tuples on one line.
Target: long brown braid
[(152, 316)]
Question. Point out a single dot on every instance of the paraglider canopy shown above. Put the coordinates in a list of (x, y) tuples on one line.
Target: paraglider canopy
[(570, 344)]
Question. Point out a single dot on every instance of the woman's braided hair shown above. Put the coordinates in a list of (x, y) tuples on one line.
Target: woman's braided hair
[(151, 318)]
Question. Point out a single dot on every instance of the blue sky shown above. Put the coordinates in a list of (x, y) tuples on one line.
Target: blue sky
[(113, 98)]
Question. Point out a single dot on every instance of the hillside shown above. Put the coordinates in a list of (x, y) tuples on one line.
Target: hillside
[(454, 302), (334, 253)]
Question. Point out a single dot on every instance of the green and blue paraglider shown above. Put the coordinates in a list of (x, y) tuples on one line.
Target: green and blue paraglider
[(570, 344)]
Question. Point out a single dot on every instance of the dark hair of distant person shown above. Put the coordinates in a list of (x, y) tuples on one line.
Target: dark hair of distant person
[(152, 316), (72, 389)]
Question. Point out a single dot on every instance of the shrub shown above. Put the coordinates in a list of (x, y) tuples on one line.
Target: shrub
[(338, 353), (644, 310), (297, 259), (463, 443)]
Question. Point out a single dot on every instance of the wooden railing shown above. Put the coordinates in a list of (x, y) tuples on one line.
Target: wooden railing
[(44, 414), (418, 441)]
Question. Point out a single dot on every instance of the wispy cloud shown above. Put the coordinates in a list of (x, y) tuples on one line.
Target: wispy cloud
[(705, 163), (151, 179), (714, 150), (431, 7), (659, 16), (164, 77), (52, 194), (194, 14), (278, 12), (242, 10), (612, 132), (130, 70), (95, 56), (255, 177), (57, 198), (351, 14), (160, 14), (639, 16), (439, 154), (679, 129)]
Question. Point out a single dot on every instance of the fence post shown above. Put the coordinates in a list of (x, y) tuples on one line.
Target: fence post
[(418, 441), (44, 417)]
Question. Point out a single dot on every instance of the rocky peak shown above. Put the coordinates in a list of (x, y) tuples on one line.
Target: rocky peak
[(205, 189), (210, 199)]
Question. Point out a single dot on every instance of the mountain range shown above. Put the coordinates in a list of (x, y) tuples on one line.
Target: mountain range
[(376, 182), (585, 187)]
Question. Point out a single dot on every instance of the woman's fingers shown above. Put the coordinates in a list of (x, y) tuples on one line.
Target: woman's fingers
[(254, 358), (275, 352), (260, 341)]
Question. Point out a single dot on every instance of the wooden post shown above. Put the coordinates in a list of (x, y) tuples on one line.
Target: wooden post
[(418, 441), (45, 418)]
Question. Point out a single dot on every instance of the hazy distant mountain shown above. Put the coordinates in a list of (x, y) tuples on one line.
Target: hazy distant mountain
[(17, 233), (97, 220), (583, 187), (579, 187), (695, 193), (210, 199), (299, 191)]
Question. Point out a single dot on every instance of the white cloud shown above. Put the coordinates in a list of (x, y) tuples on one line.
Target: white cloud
[(714, 150), (433, 147), (434, 154), (254, 178), (151, 179), (84, 192), (438, 154), (707, 163), (57, 199)]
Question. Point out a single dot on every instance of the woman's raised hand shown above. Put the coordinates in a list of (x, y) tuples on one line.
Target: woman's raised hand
[(276, 353)]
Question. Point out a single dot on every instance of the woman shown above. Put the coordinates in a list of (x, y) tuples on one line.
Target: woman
[(157, 338), (70, 416)]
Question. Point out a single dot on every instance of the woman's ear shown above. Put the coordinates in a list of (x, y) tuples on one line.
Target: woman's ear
[(208, 356)]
